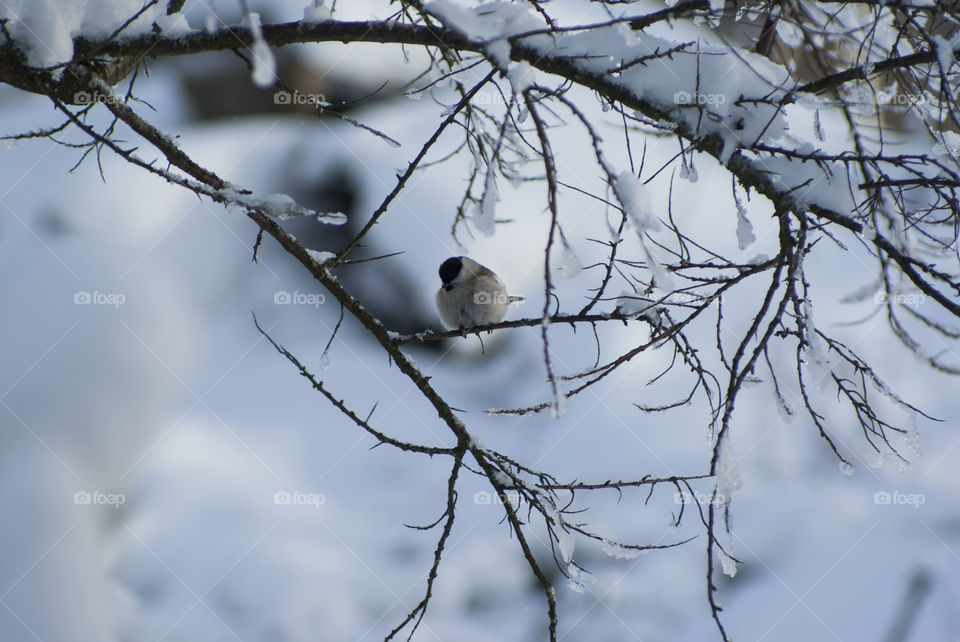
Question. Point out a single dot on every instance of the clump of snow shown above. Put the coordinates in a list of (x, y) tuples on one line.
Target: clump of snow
[(488, 24), (947, 149), (824, 184), (728, 564), (282, 206), (46, 29), (689, 171), (174, 26), (579, 579), (321, 257), (789, 33), (566, 543), (745, 235), (728, 481), (728, 473), (633, 304), (264, 64), (706, 90), (817, 360), (635, 199), (521, 76), (498, 52), (483, 216), (315, 12)]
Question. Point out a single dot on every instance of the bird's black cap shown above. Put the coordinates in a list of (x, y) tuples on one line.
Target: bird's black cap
[(450, 268)]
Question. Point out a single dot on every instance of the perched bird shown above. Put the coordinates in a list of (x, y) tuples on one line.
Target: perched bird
[(471, 294)]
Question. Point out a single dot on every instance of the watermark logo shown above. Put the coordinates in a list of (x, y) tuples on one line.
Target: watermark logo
[(96, 498), (82, 297), (298, 298), (696, 98), (482, 297), (485, 497), (85, 98), (898, 99), (701, 499), (913, 299), (297, 498), (484, 98), (296, 98), (896, 498)]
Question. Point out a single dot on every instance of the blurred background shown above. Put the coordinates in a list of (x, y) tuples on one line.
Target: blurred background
[(166, 475)]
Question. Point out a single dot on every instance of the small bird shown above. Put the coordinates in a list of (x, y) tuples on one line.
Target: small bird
[(471, 294)]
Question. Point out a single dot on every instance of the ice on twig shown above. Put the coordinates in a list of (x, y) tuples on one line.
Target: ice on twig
[(483, 216), (815, 350), (279, 207), (745, 235), (569, 262), (264, 64), (615, 549), (579, 579)]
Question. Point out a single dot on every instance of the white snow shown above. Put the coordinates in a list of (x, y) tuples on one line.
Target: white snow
[(174, 26), (46, 29), (321, 257), (633, 195), (816, 357), (484, 212), (570, 265), (488, 24), (727, 563), (688, 170), (521, 75), (944, 49), (728, 472), (281, 207), (264, 64), (947, 149), (316, 12), (745, 235), (824, 184), (789, 33), (631, 303), (579, 580), (615, 549), (728, 480), (565, 542)]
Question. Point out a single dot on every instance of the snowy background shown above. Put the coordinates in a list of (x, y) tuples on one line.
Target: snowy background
[(151, 436)]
